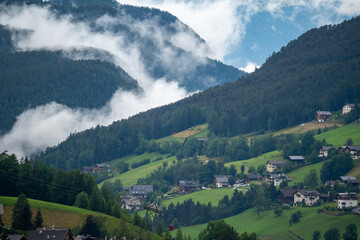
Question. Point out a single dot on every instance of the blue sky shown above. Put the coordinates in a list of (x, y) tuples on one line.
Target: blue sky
[(246, 32)]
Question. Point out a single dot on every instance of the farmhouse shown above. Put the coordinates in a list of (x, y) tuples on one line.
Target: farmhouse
[(324, 151), (309, 197), (353, 150), (188, 186), (272, 165), (141, 191), (131, 203), (322, 116), (277, 179), (347, 108), (253, 177), (296, 159), (53, 234), (345, 200), (286, 196), (221, 181), (350, 180)]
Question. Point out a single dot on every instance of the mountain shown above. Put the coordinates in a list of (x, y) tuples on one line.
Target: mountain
[(319, 70), (87, 76)]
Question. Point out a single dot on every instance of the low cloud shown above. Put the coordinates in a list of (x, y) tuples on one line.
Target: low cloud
[(250, 67), (47, 125)]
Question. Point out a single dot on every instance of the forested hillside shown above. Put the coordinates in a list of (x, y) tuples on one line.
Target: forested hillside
[(29, 79), (319, 70)]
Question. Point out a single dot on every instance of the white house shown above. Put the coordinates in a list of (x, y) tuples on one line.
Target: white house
[(324, 151), (345, 200), (221, 181), (272, 165), (277, 179), (310, 197), (347, 108)]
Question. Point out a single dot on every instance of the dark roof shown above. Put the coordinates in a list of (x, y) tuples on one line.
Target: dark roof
[(17, 237), (276, 162), (278, 176), (350, 105), (48, 234), (186, 183), (222, 178), (351, 195), (323, 113), (356, 148), (309, 192), (296, 158), (326, 148), (132, 202), (349, 179), (148, 188), (289, 192), (253, 176)]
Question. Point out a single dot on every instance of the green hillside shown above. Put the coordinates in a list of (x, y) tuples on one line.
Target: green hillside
[(204, 196), (64, 216), (298, 175), (338, 136), (267, 226)]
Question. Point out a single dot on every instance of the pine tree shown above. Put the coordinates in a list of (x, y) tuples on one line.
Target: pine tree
[(22, 214), (94, 199), (91, 227), (82, 200), (4, 235), (159, 229), (38, 221)]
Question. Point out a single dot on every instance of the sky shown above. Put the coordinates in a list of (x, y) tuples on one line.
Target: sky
[(244, 33)]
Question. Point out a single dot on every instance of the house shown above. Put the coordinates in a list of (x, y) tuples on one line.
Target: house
[(345, 200), (186, 186), (17, 237), (253, 177), (201, 139), (50, 234), (277, 179), (309, 197), (221, 181), (272, 165), (296, 159), (141, 191), (324, 151), (286, 196), (350, 180), (131, 203), (322, 116), (353, 150), (347, 108), (88, 169)]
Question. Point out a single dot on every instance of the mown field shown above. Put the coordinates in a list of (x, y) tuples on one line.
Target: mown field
[(255, 162), (196, 131), (269, 227), (130, 177), (203, 196), (298, 175), (338, 136)]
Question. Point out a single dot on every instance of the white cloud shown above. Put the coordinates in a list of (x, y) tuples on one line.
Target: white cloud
[(250, 67), (47, 125)]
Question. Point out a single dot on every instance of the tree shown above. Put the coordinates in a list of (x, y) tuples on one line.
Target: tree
[(349, 142), (179, 235), (38, 221), (232, 170), (137, 219), (95, 200), (218, 230), (167, 235), (278, 212), (231, 180), (261, 169), (159, 229), (21, 219), (332, 234), (91, 227), (82, 200), (351, 232), (316, 235), (4, 235), (311, 180), (246, 236), (242, 168), (116, 211)]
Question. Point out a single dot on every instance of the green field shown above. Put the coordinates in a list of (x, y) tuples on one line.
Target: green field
[(255, 162), (338, 136), (130, 177), (267, 226), (196, 131), (298, 175), (204, 196)]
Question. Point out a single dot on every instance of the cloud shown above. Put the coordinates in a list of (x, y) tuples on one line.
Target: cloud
[(47, 125), (250, 67)]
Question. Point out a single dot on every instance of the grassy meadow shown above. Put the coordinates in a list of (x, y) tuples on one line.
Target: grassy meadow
[(338, 136), (298, 175), (203, 196)]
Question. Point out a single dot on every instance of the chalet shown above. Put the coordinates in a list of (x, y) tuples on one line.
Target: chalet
[(345, 200), (309, 197), (17, 237), (53, 234), (141, 191), (296, 159), (131, 203), (201, 139), (322, 116), (277, 179), (88, 169), (324, 151), (221, 181), (347, 108), (272, 165), (253, 177), (286, 196), (350, 180), (188, 186), (353, 150)]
